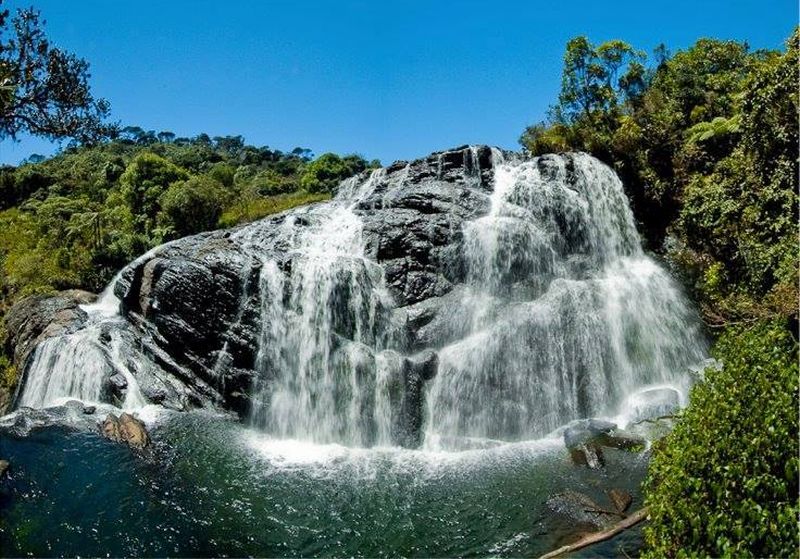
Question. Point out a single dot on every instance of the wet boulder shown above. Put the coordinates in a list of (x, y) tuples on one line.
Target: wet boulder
[(408, 398), (622, 440), (125, 429), (620, 498), (586, 438)]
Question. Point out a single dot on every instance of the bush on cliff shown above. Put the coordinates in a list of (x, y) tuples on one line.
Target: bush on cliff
[(724, 483)]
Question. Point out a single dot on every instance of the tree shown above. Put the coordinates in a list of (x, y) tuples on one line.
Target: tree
[(144, 181), (597, 78), (191, 206), (166, 137), (44, 90)]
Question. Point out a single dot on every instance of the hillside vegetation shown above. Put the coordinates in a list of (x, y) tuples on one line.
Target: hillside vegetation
[(706, 143)]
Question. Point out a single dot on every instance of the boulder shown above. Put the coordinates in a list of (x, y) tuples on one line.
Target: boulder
[(620, 498), (623, 440), (4, 467), (585, 438), (653, 403), (125, 429), (588, 454)]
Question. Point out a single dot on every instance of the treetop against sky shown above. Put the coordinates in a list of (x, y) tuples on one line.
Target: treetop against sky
[(389, 81)]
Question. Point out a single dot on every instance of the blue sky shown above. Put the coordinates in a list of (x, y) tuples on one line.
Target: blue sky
[(388, 80)]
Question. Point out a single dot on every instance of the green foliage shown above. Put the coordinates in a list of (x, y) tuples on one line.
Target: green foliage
[(706, 145), (596, 79), (325, 173), (250, 206), (144, 181), (44, 90), (191, 206), (725, 481)]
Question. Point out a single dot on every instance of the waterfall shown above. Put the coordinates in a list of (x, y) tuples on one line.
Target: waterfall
[(569, 315), (555, 312), (322, 328), (79, 365)]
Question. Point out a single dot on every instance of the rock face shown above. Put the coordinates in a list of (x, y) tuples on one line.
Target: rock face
[(469, 278)]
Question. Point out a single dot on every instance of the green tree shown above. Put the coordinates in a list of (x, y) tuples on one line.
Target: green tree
[(191, 206), (44, 90), (326, 172), (145, 179), (597, 79)]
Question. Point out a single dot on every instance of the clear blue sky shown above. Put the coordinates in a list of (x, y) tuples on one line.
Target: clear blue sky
[(389, 80)]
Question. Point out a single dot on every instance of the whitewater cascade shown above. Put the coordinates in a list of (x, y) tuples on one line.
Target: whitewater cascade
[(557, 313)]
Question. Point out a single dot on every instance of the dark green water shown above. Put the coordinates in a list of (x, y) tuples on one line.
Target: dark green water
[(211, 487)]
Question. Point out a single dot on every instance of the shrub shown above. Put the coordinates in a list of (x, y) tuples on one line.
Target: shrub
[(724, 483), (191, 206)]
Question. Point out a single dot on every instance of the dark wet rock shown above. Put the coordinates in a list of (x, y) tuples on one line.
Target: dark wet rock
[(620, 498), (581, 509), (588, 454), (119, 381), (600, 426), (585, 438), (110, 428), (4, 467), (89, 410), (24, 420), (125, 429), (623, 440)]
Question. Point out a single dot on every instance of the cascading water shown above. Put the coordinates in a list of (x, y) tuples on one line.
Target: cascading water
[(558, 314), (78, 365), (566, 317), (320, 329), (569, 315)]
